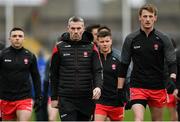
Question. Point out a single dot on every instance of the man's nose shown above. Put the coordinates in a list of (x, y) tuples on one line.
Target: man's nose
[(75, 30), (148, 18), (105, 43)]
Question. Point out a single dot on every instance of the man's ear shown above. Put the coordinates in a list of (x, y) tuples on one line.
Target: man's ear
[(139, 18), (155, 18)]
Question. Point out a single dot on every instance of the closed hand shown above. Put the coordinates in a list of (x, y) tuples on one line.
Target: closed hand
[(96, 93), (54, 103)]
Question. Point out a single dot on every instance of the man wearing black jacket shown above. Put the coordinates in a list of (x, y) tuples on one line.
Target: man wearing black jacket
[(178, 82), (111, 102), (75, 73), (2, 46), (148, 48), (93, 29), (17, 64)]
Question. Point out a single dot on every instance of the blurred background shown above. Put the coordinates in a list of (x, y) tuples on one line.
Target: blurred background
[(45, 20)]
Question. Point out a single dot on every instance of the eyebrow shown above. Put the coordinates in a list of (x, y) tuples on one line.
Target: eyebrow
[(15, 35)]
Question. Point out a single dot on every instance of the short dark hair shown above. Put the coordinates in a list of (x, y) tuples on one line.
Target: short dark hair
[(16, 29), (103, 34), (91, 27), (104, 28), (149, 7), (75, 19)]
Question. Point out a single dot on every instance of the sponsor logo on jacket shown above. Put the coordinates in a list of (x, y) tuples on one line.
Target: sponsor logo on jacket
[(7, 60), (66, 54), (137, 47)]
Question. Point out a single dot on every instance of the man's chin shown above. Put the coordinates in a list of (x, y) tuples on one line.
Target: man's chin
[(148, 27), (105, 51), (17, 46), (76, 39)]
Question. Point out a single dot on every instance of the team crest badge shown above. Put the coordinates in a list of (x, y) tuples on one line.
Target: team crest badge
[(25, 61), (85, 54), (156, 46), (113, 66)]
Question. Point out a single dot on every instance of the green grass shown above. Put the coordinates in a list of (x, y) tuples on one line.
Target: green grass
[(33, 118), (147, 117), (129, 115)]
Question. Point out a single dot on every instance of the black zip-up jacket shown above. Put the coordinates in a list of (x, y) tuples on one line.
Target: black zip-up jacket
[(111, 66), (16, 67), (148, 55), (178, 69), (75, 67)]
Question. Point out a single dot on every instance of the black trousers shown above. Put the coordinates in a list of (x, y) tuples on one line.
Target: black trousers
[(76, 109), (178, 110), (42, 113)]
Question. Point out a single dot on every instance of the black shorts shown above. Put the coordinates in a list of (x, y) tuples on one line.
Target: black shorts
[(76, 109)]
